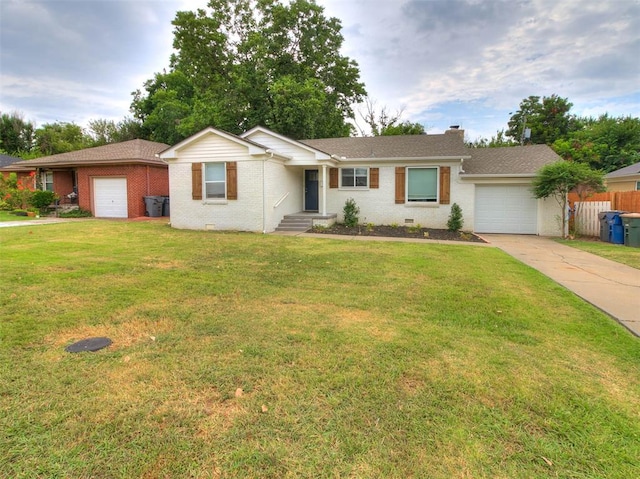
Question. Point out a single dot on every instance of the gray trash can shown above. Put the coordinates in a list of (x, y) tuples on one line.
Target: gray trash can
[(153, 205), (165, 206)]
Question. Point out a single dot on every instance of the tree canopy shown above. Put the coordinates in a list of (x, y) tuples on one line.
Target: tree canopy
[(242, 63), (556, 180), (547, 118)]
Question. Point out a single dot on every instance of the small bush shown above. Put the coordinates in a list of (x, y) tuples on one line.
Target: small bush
[(455, 221), (42, 199), (351, 212)]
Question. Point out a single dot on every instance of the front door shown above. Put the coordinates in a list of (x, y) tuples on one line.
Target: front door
[(311, 190)]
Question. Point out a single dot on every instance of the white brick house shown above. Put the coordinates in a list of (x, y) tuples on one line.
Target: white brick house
[(253, 181)]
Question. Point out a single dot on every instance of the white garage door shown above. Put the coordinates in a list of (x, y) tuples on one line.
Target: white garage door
[(110, 197), (505, 209)]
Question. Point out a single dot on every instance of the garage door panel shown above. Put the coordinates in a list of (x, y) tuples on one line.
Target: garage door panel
[(505, 209), (110, 197)]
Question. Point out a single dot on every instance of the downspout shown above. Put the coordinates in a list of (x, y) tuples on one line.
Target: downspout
[(148, 181), (324, 190), (264, 193)]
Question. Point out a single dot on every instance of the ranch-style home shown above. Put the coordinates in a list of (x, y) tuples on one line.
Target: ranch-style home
[(262, 181), (110, 180)]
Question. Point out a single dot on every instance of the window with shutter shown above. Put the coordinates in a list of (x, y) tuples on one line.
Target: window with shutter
[(218, 181), (354, 177)]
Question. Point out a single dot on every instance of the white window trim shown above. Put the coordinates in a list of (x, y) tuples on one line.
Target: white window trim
[(406, 187), (45, 174), (213, 201), (359, 188)]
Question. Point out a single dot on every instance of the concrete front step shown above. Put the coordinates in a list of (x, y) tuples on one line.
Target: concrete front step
[(295, 224)]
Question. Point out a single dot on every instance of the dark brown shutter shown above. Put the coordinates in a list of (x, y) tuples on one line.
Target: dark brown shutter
[(333, 177), (232, 180), (445, 185), (400, 172), (196, 181), (374, 177)]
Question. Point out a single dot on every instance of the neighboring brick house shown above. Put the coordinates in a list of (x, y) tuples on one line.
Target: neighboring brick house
[(8, 166), (110, 180), (261, 181)]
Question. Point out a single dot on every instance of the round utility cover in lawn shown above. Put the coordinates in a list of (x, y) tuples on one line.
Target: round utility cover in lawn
[(89, 344)]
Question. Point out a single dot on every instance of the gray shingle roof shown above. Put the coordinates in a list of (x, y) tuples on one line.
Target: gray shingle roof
[(630, 170), (132, 151), (6, 160), (401, 146), (512, 160)]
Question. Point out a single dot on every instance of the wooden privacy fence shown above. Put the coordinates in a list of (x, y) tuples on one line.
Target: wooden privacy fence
[(620, 200), (587, 219)]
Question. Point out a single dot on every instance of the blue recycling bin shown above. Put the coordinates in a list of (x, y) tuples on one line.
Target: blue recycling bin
[(616, 227), (611, 227)]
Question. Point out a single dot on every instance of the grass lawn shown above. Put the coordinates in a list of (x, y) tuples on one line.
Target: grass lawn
[(8, 216), (615, 252), (242, 355)]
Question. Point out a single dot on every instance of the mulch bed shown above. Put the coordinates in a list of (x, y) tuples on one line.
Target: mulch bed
[(400, 232)]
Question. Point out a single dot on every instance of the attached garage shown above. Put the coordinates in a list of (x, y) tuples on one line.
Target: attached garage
[(505, 209), (110, 197)]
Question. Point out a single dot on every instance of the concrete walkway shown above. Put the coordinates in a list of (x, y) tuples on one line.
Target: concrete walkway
[(42, 221), (612, 287)]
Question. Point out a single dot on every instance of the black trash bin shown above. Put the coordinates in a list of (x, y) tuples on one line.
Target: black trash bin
[(165, 206), (153, 205), (604, 226)]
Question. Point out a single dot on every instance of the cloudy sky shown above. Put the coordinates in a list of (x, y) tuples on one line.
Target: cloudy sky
[(444, 62)]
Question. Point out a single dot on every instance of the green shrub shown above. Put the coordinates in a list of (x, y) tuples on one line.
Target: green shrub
[(351, 212), (77, 213), (42, 199), (455, 221)]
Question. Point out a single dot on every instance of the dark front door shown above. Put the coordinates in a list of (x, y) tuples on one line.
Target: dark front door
[(311, 190)]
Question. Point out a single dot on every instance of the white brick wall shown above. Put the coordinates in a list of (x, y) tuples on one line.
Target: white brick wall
[(378, 206)]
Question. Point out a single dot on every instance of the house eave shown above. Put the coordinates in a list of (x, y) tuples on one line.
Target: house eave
[(471, 176)]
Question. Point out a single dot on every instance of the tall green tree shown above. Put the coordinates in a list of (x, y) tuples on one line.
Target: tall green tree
[(606, 143), (103, 131), (240, 63), (499, 140), (61, 137), (547, 118), (16, 134), (383, 123), (558, 179)]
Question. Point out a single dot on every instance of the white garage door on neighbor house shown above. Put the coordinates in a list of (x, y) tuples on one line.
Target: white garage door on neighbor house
[(505, 209), (110, 197)]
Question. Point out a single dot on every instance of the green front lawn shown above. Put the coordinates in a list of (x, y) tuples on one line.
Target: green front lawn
[(615, 252), (9, 216), (242, 355)]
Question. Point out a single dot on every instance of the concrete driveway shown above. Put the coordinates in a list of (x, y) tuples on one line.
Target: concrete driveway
[(612, 287)]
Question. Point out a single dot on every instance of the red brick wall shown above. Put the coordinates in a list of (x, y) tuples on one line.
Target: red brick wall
[(142, 180), (63, 182)]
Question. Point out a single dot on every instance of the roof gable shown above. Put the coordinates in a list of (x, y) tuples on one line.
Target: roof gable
[(173, 151), (283, 144)]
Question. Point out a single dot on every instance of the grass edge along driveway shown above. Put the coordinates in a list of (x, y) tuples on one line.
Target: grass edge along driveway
[(241, 355)]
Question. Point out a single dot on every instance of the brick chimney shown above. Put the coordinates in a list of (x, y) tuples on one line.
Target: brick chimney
[(455, 130)]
